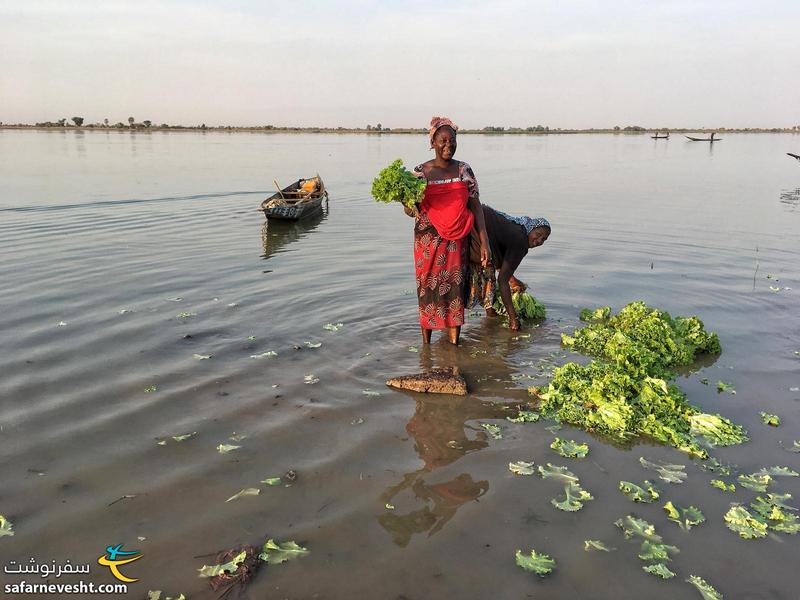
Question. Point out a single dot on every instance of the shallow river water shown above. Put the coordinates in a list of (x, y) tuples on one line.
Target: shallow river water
[(108, 237)]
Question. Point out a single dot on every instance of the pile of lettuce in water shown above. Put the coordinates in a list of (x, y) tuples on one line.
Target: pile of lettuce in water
[(625, 391)]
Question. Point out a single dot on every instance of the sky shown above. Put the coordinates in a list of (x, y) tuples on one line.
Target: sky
[(508, 63)]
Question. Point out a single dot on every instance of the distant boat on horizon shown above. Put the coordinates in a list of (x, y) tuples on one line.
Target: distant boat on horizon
[(797, 156), (708, 139), (660, 137)]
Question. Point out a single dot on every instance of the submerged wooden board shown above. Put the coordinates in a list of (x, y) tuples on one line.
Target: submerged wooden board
[(435, 381)]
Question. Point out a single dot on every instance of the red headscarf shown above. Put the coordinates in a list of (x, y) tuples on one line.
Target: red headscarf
[(436, 123)]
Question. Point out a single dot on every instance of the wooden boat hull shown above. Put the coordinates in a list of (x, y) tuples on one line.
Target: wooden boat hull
[(694, 139), (293, 204), (659, 137)]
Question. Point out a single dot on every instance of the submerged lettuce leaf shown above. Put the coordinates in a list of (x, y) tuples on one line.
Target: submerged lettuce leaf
[(557, 472), (598, 314), (770, 419), (493, 430), (541, 564), (739, 520), (574, 497), (569, 448), (228, 567), (686, 518), (525, 416), (666, 472), (717, 430), (275, 553), (705, 589), (656, 551), (648, 493), (721, 485), (521, 467), (596, 545), (635, 527), (757, 482), (6, 527), (659, 569), (777, 472)]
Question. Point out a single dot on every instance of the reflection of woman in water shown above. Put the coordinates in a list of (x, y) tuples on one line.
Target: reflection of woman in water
[(439, 429)]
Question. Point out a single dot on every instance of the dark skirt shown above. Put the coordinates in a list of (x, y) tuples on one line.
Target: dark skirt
[(441, 267)]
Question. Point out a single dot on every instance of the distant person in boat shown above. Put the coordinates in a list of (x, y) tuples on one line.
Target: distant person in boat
[(713, 133), (447, 214), (510, 238)]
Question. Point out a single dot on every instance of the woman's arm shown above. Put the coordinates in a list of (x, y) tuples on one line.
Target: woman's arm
[(477, 210), (503, 282)]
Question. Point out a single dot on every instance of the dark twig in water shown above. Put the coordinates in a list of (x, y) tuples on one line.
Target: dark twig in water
[(125, 497), (756, 271)]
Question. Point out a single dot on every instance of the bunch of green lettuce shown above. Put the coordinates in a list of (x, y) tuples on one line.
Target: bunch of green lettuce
[(396, 184), (625, 393), (644, 339), (526, 306)]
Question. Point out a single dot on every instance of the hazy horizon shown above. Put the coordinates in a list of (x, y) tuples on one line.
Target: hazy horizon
[(508, 63)]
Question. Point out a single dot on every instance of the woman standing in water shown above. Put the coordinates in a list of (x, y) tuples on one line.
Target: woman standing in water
[(448, 211)]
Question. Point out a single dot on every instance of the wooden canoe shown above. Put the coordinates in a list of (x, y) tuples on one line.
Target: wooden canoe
[(660, 137), (797, 156), (694, 139), (294, 202)]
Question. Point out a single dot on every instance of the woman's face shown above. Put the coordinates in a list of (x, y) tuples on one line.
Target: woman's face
[(444, 142), (538, 236)]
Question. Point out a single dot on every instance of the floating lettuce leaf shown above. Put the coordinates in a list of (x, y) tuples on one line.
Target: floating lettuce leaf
[(648, 493), (521, 467), (525, 416), (312, 345), (244, 492), (656, 551), (757, 482), (777, 472), (659, 569), (225, 448), (666, 472), (6, 527), (712, 465), (633, 526), (228, 567), (596, 545), (795, 446), (333, 326), (598, 314), (201, 356), (721, 485), (274, 553), (770, 419), (686, 518), (569, 448), (574, 497), (156, 595), (717, 430), (271, 481), (186, 315), (310, 379), (725, 387), (493, 430), (184, 436), (557, 472), (370, 393), (705, 589), (267, 354), (541, 564), (150, 390), (773, 511), (739, 520)]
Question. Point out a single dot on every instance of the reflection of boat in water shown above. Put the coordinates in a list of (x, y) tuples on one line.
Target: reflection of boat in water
[(300, 200), (710, 139), (275, 234)]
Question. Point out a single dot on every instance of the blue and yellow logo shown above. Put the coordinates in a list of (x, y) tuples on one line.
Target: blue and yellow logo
[(112, 560)]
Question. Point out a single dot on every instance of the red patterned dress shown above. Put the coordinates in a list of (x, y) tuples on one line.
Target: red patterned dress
[(441, 249)]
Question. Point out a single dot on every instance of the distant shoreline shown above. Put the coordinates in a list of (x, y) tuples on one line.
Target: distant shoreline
[(269, 129)]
